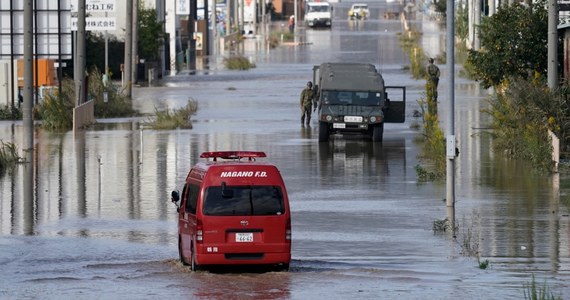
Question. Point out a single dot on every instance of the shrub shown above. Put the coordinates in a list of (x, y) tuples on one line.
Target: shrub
[(117, 105), (56, 110), (174, 119), (411, 45), (8, 156), (10, 112), (521, 118), (238, 63)]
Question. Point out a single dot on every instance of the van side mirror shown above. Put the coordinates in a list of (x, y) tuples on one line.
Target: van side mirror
[(174, 196)]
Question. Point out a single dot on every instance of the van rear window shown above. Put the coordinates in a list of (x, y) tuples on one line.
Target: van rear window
[(243, 201)]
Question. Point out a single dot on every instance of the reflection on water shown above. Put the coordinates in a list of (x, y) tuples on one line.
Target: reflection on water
[(349, 157), (94, 174)]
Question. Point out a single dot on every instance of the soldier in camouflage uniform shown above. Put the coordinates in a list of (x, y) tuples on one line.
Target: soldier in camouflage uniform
[(433, 76), (307, 98)]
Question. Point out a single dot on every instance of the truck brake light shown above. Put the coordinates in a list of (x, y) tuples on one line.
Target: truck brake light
[(288, 230), (199, 231)]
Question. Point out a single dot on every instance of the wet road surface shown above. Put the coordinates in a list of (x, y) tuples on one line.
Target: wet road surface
[(101, 225)]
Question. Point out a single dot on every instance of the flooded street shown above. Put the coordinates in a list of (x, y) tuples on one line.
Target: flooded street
[(101, 225)]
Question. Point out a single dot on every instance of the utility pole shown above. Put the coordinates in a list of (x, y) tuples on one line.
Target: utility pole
[(476, 24), (552, 44), (451, 153), (127, 71), (191, 29), (214, 29), (106, 51), (79, 67), (206, 35), (28, 122), (135, 47)]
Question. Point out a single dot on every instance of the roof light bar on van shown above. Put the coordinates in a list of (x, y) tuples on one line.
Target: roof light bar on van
[(232, 154)]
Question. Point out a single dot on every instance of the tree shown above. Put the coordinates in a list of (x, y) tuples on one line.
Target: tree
[(513, 43), (151, 34)]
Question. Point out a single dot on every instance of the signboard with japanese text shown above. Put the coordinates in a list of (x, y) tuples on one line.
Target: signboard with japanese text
[(96, 23), (95, 5)]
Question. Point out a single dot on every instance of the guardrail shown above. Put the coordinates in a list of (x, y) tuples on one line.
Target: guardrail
[(83, 115)]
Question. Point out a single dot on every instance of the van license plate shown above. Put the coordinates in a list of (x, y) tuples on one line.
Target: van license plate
[(339, 125), (244, 237)]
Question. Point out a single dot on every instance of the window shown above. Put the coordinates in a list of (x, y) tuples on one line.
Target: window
[(352, 98), (243, 201), (192, 198)]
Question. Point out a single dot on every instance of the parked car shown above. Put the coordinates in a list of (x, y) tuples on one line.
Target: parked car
[(358, 11), (318, 14)]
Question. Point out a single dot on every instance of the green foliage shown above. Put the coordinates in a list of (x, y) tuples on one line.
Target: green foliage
[(238, 63), (276, 37), (151, 34), (425, 175), (521, 117), (441, 7), (483, 264), (533, 292), (440, 226), (513, 43), (409, 42), (56, 110), (174, 119), (8, 156), (433, 149), (10, 112), (117, 105), (462, 23), (555, 106)]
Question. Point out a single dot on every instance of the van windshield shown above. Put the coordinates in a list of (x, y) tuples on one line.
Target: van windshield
[(351, 98), (243, 201), (318, 8)]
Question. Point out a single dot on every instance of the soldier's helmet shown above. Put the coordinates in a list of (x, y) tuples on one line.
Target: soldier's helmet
[(309, 84)]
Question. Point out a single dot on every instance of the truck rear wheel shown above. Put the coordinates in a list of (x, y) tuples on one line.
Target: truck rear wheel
[(194, 266), (323, 132), (378, 133)]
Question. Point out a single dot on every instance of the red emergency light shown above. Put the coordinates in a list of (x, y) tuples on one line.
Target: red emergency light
[(232, 154)]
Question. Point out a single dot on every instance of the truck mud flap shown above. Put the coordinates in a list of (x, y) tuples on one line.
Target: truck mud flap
[(395, 112)]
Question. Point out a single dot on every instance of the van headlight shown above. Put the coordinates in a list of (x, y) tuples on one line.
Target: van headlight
[(373, 119)]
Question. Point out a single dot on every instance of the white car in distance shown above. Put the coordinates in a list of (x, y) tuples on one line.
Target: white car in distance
[(359, 11)]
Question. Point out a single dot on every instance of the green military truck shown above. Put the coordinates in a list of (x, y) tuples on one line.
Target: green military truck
[(353, 100)]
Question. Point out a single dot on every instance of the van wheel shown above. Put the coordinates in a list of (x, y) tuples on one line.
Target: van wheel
[(283, 268), (378, 133), (194, 266), (323, 132), (182, 260)]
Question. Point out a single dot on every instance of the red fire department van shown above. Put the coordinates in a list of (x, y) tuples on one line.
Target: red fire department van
[(233, 210)]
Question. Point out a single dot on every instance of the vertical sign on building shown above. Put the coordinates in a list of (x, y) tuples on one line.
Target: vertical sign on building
[(183, 7)]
